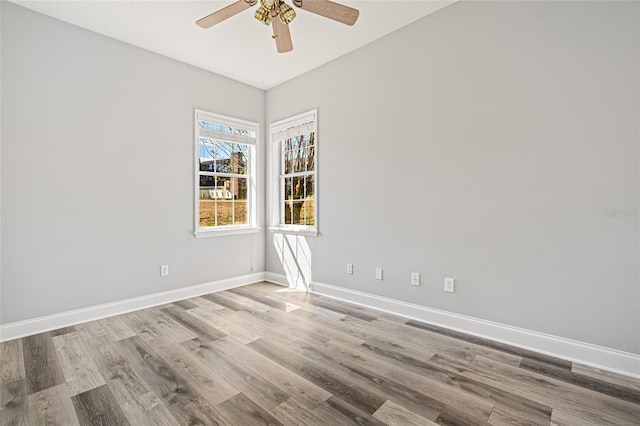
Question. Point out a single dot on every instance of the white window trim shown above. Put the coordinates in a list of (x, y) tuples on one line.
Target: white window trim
[(277, 131), (254, 194)]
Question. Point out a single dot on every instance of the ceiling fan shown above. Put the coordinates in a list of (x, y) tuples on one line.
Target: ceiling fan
[(279, 15)]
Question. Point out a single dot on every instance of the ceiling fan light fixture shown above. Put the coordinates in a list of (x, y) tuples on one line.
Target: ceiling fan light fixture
[(279, 14), (263, 15), (287, 14)]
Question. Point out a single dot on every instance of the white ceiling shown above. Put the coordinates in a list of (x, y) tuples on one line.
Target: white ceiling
[(240, 48)]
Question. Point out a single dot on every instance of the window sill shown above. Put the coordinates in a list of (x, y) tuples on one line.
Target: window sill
[(306, 232), (226, 231)]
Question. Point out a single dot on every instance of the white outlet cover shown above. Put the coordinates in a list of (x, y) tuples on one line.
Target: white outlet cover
[(349, 268), (415, 278), (449, 285), (164, 270), (378, 273)]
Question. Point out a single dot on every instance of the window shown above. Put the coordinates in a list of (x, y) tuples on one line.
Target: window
[(225, 175), (294, 179)]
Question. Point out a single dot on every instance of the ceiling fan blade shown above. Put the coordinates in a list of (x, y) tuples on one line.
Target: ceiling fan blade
[(282, 36), (338, 12), (224, 13)]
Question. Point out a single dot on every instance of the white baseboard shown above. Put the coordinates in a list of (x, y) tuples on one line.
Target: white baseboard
[(571, 350), (274, 278), (584, 353), (29, 327)]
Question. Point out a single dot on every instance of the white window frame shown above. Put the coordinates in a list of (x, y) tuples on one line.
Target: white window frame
[(290, 127), (252, 184)]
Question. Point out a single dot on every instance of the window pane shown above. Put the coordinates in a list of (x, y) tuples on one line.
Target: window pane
[(288, 188), (222, 154), (224, 213), (288, 161), (241, 159), (297, 187), (240, 213), (205, 152), (311, 149), (309, 209), (207, 212), (310, 187), (206, 181), (297, 208), (240, 188), (288, 218), (300, 154)]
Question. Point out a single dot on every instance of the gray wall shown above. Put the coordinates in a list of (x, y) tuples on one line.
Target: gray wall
[(97, 169), (485, 143)]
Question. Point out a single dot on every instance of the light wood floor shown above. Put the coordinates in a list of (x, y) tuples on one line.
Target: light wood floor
[(264, 355)]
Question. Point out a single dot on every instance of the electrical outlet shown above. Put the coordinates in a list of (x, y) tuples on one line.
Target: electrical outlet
[(378, 273), (415, 278), (349, 268), (449, 285), (164, 270)]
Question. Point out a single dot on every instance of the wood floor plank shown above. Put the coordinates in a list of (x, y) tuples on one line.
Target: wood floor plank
[(52, 407), (116, 328), (42, 369), (211, 385), (221, 320), (560, 418), (500, 347), (301, 390), (61, 331), (205, 332), (297, 322), (79, 370), (125, 383), (233, 302), (265, 299), (148, 410), (150, 324), (185, 304), (451, 415), (393, 414), (336, 411), (339, 385), (198, 411), (294, 413), (98, 407), (442, 392), (242, 303), (573, 400), (422, 364), (143, 328), (501, 417), (405, 394), (606, 376), (254, 386), (303, 299), (445, 345), (11, 361), (595, 384), (206, 302), (166, 326), (269, 324), (343, 308), (13, 403), (241, 410), (159, 376)]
